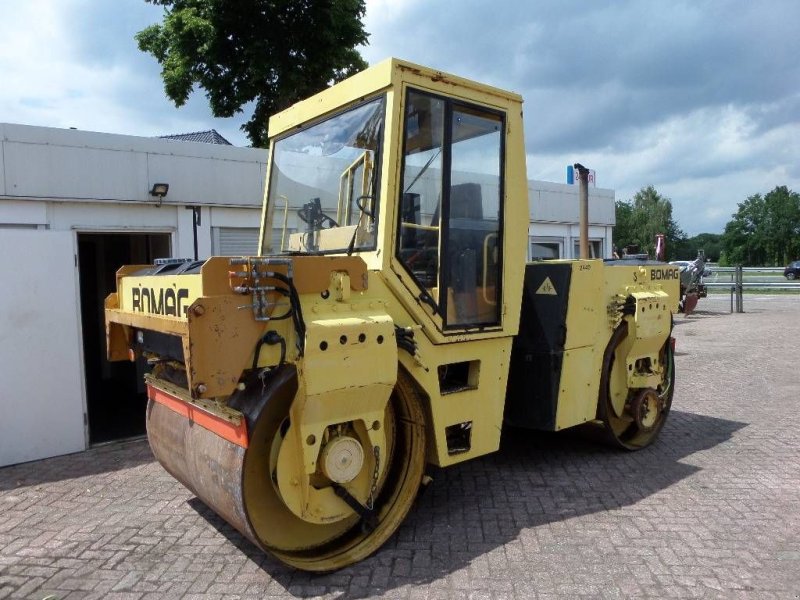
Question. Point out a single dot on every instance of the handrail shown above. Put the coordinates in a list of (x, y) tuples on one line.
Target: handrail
[(745, 269), (411, 225), (346, 186), (766, 284), (285, 220), (737, 285), (486, 299)]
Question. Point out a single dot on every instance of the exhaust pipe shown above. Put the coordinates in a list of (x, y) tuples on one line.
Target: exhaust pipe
[(583, 193)]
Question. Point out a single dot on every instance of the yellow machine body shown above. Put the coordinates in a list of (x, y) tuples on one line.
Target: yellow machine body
[(388, 322)]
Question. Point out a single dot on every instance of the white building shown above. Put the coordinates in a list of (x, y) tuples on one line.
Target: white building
[(554, 231), (75, 205)]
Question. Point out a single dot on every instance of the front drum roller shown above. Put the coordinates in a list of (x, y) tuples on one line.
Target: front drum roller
[(645, 410), (241, 485)]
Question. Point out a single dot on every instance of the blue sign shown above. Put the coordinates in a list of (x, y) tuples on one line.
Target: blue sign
[(573, 179)]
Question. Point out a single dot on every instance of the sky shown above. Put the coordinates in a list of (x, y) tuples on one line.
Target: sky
[(700, 99)]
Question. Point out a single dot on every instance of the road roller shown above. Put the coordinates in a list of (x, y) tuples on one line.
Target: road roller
[(387, 324)]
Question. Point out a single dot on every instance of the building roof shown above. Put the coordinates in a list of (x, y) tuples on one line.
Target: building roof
[(211, 136)]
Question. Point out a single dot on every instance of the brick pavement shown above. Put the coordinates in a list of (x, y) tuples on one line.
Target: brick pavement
[(712, 510)]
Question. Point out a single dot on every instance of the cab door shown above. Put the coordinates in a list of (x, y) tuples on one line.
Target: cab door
[(450, 228)]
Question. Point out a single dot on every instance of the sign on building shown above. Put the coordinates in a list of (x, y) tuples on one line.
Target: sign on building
[(572, 177)]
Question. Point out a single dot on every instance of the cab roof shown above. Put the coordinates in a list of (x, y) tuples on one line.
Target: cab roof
[(391, 72)]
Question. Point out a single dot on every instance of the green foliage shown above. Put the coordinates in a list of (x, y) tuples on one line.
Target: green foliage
[(644, 216), (688, 248), (764, 231), (710, 243), (270, 52), (623, 230)]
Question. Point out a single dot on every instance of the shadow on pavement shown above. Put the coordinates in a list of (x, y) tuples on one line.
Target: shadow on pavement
[(100, 459), (470, 509), (699, 315)]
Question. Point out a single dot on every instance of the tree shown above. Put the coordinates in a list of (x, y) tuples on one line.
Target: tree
[(623, 229), (639, 220), (271, 52), (765, 230), (710, 243)]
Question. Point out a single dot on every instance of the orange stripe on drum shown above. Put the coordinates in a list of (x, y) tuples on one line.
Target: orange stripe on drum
[(233, 432)]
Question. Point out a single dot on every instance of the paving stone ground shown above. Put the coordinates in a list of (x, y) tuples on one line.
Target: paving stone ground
[(712, 510)]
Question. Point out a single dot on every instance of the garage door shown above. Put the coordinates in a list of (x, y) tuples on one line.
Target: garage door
[(242, 241), (235, 241)]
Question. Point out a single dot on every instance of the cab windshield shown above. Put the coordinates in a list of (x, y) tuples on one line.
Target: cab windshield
[(323, 184)]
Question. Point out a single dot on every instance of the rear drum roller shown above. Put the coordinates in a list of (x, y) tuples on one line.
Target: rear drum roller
[(241, 485), (643, 411)]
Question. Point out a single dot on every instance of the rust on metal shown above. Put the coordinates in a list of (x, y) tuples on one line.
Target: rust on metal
[(207, 464), (226, 428)]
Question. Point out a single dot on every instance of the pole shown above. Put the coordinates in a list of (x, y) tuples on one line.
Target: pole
[(583, 177), (739, 289), (195, 224)]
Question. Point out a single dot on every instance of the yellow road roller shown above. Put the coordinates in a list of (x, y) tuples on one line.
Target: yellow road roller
[(388, 322)]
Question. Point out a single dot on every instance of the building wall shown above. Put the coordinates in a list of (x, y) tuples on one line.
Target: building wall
[(56, 184), (71, 171), (45, 163), (554, 210)]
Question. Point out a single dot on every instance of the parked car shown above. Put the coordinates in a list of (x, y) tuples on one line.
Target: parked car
[(681, 263), (792, 270)]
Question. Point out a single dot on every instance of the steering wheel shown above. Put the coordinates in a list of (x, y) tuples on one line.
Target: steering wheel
[(312, 215)]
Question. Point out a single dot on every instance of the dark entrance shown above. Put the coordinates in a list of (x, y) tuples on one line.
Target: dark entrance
[(115, 392)]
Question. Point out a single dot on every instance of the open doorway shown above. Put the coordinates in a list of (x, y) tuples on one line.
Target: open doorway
[(115, 394)]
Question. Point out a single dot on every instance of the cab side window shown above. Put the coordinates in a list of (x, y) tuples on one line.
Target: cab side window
[(420, 198), (450, 226)]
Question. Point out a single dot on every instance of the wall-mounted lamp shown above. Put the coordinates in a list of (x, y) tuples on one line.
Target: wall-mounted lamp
[(159, 191)]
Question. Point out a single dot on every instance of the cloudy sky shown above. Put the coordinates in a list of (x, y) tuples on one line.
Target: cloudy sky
[(699, 98)]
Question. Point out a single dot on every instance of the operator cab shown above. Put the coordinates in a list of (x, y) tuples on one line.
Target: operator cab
[(437, 209)]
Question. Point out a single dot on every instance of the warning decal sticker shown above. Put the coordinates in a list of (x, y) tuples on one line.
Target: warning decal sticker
[(547, 288)]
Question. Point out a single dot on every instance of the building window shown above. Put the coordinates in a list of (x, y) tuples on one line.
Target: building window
[(595, 249), (545, 249)]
